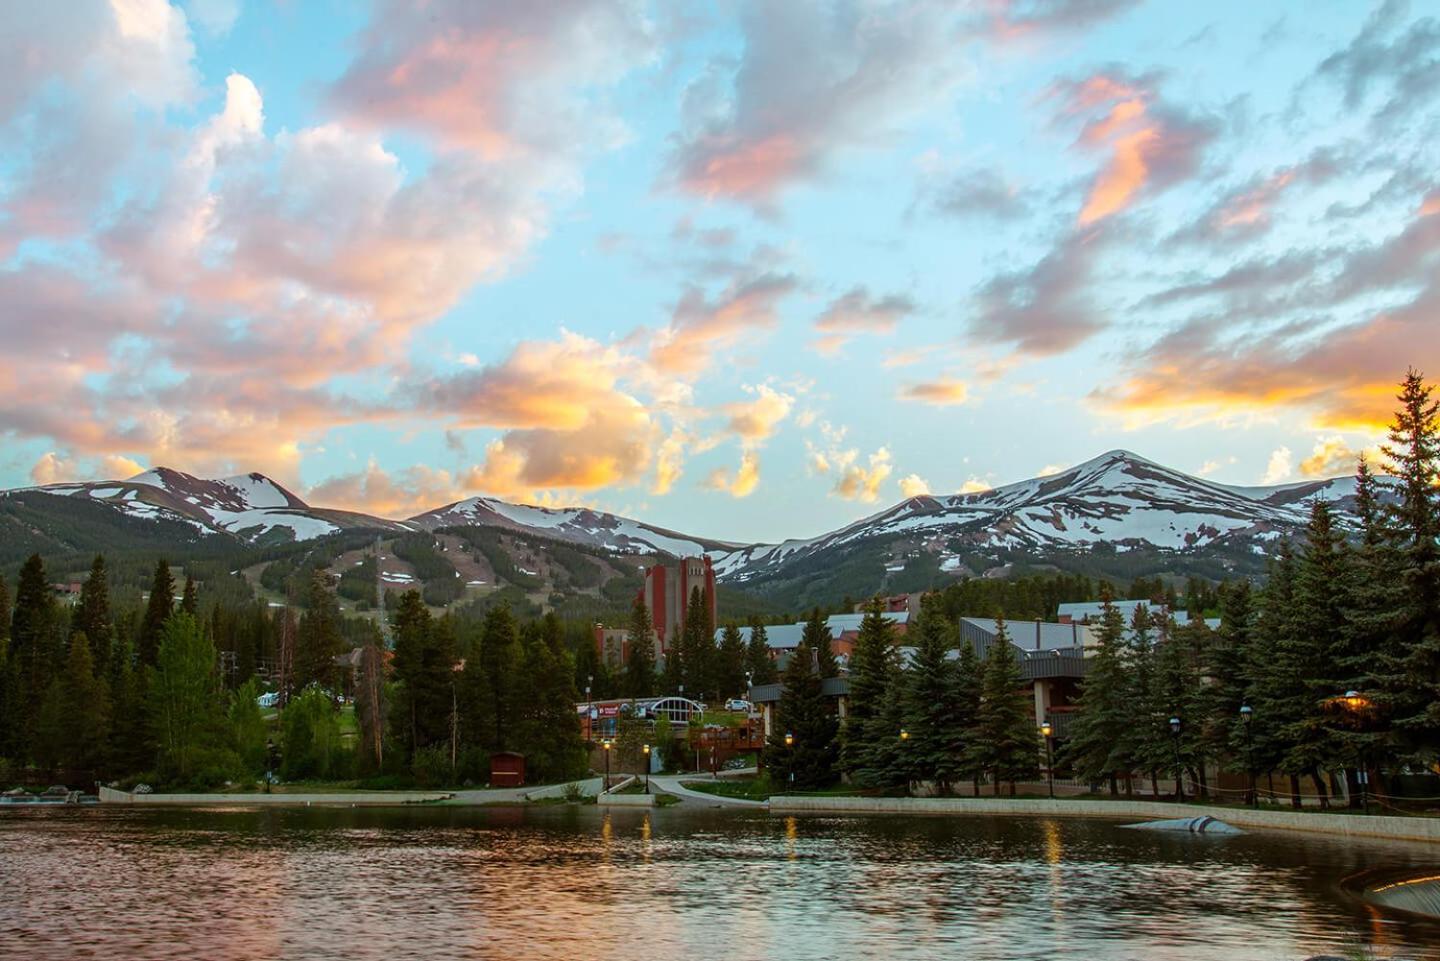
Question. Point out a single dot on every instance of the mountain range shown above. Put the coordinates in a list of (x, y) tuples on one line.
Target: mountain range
[(1104, 509)]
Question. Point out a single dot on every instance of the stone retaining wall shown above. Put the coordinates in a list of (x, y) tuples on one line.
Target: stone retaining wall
[(1349, 825), (345, 799)]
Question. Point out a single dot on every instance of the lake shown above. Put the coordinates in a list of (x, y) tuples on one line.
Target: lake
[(577, 882)]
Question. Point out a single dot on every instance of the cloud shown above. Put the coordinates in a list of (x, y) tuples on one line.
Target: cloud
[(400, 494), (941, 392), (215, 17), (814, 79), (52, 468), (669, 463), (756, 420), (1247, 211), (1403, 63), (744, 481), (1050, 470), (1044, 309), (1020, 19), (1148, 145), (1279, 467), (504, 81), (862, 482), (118, 467), (913, 485), (857, 312), (982, 193), (701, 325), (1211, 466), (975, 485), (1332, 457)]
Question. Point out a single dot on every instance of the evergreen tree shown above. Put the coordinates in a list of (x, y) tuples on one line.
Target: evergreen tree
[(816, 636), (966, 723), (697, 648), (190, 599), (184, 698), (1221, 698), (11, 722), (74, 722), (757, 655), (1007, 743), (35, 651), (639, 678), (498, 658), (157, 611), (317, 639), (371, 707), (1410, 683), (424, 673), (872, 670), (547, 726), (1277, 697), (93, 618), (730, 662), (935, 742), (132, 744), (808, 761), (1099, 729)]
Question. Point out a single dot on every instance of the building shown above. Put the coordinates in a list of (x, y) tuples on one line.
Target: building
[(896, 604), (612, 644), (667, 594), (1090, 612), (844, 629)]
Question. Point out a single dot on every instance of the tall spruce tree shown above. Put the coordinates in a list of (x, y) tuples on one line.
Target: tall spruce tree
[(697, 648), (932, 705), (497, 661), (35, 649), (1095, 748), (639, 678), (1276, 695), (817, 637), (730, 662), (157, 611), (968, 686), (93, 618), (190, 597), (873, 666), (1007, 742), (1410, 684), (808, 762), (757, 655), (74, 722), (318, 640), (423, 672)]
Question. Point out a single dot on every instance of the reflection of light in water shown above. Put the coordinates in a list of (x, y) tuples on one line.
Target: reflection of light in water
[(645, 835), (607, 830), (792, 836), (1054, 849), (1055, 854)]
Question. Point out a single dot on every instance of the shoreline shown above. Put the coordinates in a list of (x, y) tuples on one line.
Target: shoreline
[(1382, 827)]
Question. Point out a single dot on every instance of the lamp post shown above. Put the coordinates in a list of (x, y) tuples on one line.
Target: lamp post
[(1179, 771), (647, 769), (589, 709), (905, 760), (605, 745), (790, 760), (1356, 703), (1246, 713), (1046, 730)]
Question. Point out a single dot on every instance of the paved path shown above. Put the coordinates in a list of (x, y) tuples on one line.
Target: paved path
[(518, 795), (670, 784)]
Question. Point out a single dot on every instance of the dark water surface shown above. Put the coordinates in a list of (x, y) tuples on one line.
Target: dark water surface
[(572, 882)]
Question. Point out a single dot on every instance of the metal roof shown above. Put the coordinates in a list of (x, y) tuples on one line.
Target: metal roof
[(786, 637)]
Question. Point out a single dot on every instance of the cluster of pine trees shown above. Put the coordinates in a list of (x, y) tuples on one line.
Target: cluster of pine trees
[(938, 719), (166, 694), (1330, 670)]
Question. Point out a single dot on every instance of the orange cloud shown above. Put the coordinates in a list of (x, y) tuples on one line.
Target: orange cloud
[(941, 392), (744, 481)]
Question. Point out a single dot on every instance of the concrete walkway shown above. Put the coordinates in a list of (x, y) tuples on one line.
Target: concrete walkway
[(671, 784)]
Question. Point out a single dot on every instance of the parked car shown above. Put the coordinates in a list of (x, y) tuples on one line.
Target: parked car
[(268, 699), (738, 704)]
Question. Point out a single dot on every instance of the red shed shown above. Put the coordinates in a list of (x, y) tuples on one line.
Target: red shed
[(507, 769)]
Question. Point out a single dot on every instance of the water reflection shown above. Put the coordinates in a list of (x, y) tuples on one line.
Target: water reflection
[(571, 882)]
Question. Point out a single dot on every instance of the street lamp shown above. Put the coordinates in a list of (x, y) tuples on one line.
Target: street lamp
[(647, 769), (1356, 703), (1246, 713), (1179, 771), (589, 710), (905, 759), (1046, 730), (790, 761), (605, 745)]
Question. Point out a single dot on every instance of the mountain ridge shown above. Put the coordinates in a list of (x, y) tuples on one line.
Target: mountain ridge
[(1117, 501)]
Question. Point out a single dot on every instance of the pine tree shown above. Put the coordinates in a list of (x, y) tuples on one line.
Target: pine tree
[(697, 648), (371, 707), (547, 726), (423, 676), (35, 650), (1007, 742), (93, 618), (966, 723), (935, 742), (757, 655), (499, 655), (1275, 694), (808, 762), (11, 721), (74, 722), (132, 745), (190, 599), (730, 662), (157, 611), (1224, 733), (816, 636), (639, 678), (872, 671), (1095, 749), (1411, 679), (318, 640)]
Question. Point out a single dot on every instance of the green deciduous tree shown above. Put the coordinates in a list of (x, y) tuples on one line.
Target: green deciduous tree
[(310, 737), (184, 701)]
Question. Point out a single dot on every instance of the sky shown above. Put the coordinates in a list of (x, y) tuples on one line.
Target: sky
[(742, 268)]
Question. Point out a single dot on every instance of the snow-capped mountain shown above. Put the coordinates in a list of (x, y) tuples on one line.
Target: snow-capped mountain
[(1118, 498), (579, 525), (249, 506)]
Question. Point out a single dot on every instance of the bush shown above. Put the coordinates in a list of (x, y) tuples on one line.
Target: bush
[(431, 767), (310, 733)]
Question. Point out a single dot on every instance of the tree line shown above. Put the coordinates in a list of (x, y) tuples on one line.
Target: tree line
[(164, 693)]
